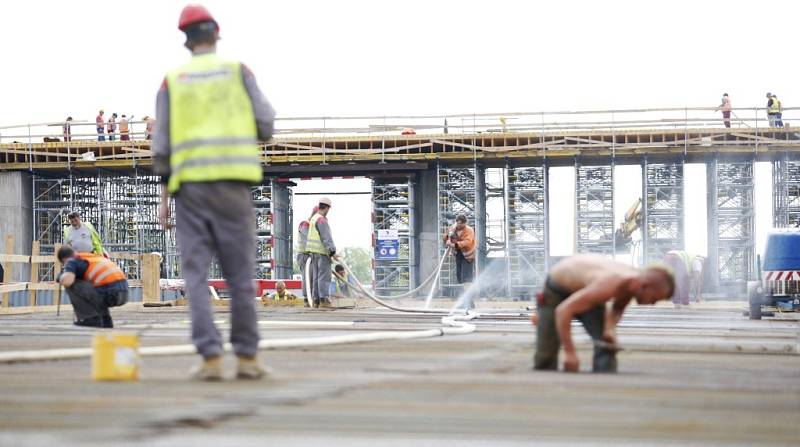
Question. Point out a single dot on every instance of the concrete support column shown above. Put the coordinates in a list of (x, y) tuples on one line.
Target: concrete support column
[(712, 263), (16, 216), (480, 218), (426, 212)]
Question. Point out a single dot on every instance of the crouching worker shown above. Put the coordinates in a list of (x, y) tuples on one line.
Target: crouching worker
[(281, 294), (93, 284), (579, 287)]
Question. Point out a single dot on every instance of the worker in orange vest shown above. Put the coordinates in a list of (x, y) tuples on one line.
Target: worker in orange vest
[(461, 241), (93, 284)]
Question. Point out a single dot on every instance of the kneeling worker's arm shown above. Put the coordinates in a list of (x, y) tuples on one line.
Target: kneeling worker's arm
[(66, 279), (596, 293)]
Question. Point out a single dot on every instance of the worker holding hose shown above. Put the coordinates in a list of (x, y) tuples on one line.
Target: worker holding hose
[(461, 242), (579, 287), (321, 248), (211, 117)]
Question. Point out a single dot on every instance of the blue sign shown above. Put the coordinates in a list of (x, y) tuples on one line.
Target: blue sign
[(387, 250)]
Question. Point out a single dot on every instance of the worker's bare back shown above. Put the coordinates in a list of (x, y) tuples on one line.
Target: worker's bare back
[(576, 272)]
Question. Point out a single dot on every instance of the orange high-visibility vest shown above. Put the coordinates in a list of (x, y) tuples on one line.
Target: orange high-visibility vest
[(101, 271)]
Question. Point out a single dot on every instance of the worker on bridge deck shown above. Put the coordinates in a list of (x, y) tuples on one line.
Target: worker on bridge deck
[(461, 241), (726, 109), (321, 248), (111, 127), (206, 150), (93, 283), (100, 126), (774, 111), (124, 129)]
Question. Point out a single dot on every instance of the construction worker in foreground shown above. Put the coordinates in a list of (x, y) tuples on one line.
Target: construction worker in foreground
[(681, 264), (322, 249), (461, 241), (302, 251), (211, 117), (82, 236), (93, 284), (579, 287)]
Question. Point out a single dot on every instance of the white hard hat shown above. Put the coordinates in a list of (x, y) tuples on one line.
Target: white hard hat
[(325, 201)]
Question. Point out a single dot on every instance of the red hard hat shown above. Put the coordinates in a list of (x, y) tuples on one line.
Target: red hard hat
[(194, 13)]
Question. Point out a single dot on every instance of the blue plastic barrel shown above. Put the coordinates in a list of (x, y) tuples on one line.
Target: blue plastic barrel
[(783, 250)]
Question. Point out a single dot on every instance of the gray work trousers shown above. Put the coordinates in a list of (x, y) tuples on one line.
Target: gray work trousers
[(301, 261), (321, 275), (548, 342), (217, 218), (86, 302)]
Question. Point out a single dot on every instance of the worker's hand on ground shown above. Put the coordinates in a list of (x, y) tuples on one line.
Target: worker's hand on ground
[(571, 362), (163, 215), (534, 319)]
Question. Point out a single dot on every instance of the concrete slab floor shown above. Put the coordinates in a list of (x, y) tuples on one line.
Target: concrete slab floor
[(700, 376)]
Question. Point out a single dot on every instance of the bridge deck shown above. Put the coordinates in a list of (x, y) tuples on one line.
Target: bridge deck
[(492, 148)]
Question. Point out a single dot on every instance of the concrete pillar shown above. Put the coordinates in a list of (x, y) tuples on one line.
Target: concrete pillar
[(480, 218), (712, 262), (426, 212), (282, 230), (16, 216)]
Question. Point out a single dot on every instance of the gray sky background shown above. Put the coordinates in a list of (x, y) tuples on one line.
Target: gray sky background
[(415, 57)]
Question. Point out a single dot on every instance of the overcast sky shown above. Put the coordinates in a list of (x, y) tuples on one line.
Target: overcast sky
[(412, 57)]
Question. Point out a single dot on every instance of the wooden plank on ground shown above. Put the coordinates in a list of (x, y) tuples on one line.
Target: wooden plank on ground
[(34, 273), (8, 268)]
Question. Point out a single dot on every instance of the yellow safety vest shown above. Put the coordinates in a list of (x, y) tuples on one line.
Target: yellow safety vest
[(775, 107), (314, 241), (212, 126)]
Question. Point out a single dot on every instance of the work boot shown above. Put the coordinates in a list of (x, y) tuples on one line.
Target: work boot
[(107, 321), (90, 322), (249, 368), (325, 303), (208, 371)]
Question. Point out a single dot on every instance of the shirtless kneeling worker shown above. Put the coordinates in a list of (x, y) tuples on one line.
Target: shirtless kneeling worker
[(579, 287)]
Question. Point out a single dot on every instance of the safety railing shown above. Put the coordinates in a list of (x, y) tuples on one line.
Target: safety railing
[(528, 122)]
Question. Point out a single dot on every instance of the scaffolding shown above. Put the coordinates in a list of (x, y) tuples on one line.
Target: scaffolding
[(457, 192), (123, 207), (527, 229), (393, 213), (594, 209), (786, 193), (663, 209), (731, 223)]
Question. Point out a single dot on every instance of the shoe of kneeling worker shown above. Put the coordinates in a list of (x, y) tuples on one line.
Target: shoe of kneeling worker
[(249, 368), (90, 322), (208, 371)]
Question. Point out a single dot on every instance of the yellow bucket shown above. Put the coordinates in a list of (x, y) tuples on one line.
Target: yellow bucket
[(115, 357)]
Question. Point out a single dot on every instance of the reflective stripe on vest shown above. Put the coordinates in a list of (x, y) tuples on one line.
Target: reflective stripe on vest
[(101, 271), (212, 126), (314, 241)]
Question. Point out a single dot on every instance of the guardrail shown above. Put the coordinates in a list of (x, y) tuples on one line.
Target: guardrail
[(544, 121)]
